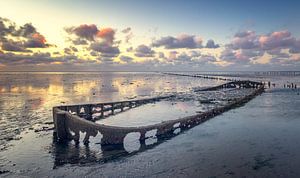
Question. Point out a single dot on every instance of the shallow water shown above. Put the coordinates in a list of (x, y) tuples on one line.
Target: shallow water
[(151, 113), (179, 106), (259, 139), (26, 99)]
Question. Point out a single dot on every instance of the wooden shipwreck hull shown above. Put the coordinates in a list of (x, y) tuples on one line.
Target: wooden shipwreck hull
[(70, 120)]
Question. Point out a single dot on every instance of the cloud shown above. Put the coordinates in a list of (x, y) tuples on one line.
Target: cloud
[(79, 41), (84, 31), (36, 40), (12, 59), (94, 53), (245, 40), (26, 30), (211, 44), (18, 39), (128, 34), (71, 50), (126, 30), (105, 49), (101, 41), (192, 58), (280, 39), (126, 59), (247, 47), (274, 40), (241, 56), (74, 48), (144, 51), (181, 41), (242, 34), (13, 46), (89, 33), (6, 27), (108, 34)]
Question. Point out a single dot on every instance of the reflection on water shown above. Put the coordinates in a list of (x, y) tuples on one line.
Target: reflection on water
[(27, 98), (260, 139), (71, 153), (152, 113)]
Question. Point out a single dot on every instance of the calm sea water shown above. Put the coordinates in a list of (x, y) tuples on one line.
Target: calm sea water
[(26, 99), (259, 139)]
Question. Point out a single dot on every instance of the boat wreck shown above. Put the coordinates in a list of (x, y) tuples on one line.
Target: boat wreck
[(70, 120)]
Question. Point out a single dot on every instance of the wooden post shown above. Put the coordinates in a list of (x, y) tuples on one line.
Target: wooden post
[(112, 108), (61, 132), (122, 107), (102, 110)]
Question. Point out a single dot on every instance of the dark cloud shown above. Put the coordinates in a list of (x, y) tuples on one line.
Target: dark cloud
[(79, 41), (211, 44), (91, 33), (105, 49), (6, 27), (74, 49), (126, 59), (67, 51), (94, 53), (181, 41), (84, 31), (13, 46), (24, 37), (56, 53), (36, 40), (144, 51), (26, 30), (12, 59), (107, 61), (70, 50)]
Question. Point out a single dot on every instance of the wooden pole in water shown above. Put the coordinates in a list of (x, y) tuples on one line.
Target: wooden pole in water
[(61, 132), (102, 110), (112, 108)]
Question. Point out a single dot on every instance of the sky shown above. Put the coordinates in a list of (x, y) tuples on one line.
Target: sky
[(169, 35)]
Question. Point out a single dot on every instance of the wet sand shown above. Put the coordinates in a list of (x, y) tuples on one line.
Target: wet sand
[(259, 139), (26, 99)]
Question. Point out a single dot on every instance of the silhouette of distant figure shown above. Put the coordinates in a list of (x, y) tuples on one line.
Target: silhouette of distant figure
[(283, 85), (295, 86), (269, 84), (292, 85), (273, 84)]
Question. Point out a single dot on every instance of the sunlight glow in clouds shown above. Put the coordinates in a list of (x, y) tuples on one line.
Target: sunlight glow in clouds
[(69, 41)]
